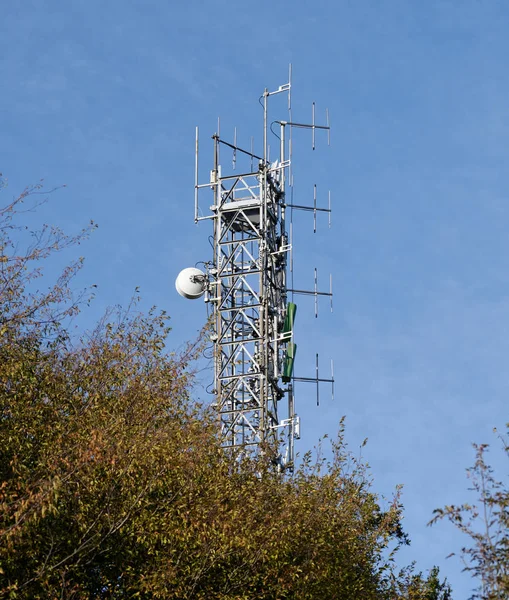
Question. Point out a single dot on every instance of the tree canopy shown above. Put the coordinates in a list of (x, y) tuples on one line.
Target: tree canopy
[(486, 525), (113, 483)]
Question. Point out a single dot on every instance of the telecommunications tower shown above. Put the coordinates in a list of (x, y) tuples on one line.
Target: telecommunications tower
[(248, 285)]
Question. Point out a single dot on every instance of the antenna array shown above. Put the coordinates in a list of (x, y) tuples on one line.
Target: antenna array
[(247, 286)]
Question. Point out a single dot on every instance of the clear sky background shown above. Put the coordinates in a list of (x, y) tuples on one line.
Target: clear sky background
[(104, 97)]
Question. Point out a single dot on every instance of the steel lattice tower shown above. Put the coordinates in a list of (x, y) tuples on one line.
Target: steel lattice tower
[(246, 285)]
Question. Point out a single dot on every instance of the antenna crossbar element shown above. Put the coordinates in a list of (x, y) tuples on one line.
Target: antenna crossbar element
[(236, 148), (314, 209), (317, 380), (315, 293)]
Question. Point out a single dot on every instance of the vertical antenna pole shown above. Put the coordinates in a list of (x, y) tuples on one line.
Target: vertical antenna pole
[(290, 173), (330, 275), (282, 182), (264, 317), (290, 170), (291, 417), (196, 178), (317, 383), (234, 158), (290, 86), (313, 128), (316, 293), (330, 211), (291, 248), (265, 96), (332, 376), (218, 292), (328, 125), (219, 136), (314, 208), (291, 220)]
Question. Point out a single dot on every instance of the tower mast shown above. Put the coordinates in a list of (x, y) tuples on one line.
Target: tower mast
[(246, 286)]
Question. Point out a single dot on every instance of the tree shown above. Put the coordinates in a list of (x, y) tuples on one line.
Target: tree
[(412, 586), (487, 526), (113, 483), (24, 307)]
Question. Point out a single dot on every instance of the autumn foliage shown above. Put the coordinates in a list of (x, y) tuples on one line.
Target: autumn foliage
[(113, 483), (485, 523)]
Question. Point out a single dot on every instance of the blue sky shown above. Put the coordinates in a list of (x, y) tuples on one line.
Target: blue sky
[(104, 97)]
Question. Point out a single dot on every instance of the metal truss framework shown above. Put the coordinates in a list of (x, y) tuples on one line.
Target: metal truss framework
[(247, 289)]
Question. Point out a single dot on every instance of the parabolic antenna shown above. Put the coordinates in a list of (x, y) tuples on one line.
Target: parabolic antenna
[(190, 283)]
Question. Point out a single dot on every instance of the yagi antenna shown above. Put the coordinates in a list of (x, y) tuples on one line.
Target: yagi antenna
[(248, 284), (314, 208), (315, 292)]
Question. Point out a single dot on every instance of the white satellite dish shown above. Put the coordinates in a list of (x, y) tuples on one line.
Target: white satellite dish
[(190, 283)]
